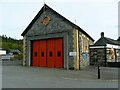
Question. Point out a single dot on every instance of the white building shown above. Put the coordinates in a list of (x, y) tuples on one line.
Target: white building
[(2, 51)]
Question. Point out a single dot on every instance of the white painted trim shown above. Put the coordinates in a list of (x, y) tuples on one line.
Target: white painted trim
[(113, 46)]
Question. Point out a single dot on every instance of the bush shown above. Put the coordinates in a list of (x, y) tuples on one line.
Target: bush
[(18, 57)]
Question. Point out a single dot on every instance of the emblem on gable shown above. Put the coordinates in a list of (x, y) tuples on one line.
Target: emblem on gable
[(46, 20)]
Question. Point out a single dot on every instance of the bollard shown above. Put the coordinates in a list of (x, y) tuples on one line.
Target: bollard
[(98, 72)]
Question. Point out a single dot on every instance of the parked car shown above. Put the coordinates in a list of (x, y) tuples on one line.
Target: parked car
[(6, 57)]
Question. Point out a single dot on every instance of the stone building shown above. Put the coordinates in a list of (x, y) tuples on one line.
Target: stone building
[(51, 40), (105, 52)]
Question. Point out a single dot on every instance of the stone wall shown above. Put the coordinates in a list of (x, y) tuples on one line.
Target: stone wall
[(55, 25), (71, 49), (84, 43), (97, 56), (24, 51)]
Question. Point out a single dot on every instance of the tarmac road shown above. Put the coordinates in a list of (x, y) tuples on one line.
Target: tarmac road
[(16, 76)]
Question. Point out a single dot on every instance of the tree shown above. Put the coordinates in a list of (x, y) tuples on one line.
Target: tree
[(10, 43)]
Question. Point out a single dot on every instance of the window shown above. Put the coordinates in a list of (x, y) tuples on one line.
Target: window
[(35, 54), (59, 53), (42, 54), (50, 54)]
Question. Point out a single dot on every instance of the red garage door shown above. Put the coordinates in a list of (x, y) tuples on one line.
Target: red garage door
[(42, 50), (48, 53), (58, 53), (35, 53)]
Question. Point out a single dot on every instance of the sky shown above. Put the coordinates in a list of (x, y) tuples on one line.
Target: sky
[(93, 16)]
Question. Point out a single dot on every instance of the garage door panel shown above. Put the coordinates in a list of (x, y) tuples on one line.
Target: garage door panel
[(35, 53), (42, 58), (58, 53), (50, 53)]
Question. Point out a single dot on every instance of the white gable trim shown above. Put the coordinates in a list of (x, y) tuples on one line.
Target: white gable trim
[(113, 46)]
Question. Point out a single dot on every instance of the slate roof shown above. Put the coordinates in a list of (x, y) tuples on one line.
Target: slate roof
[(103, 41), (47, 7)]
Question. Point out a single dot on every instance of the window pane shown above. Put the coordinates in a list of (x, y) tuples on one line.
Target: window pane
[(42, 54), (59, 53), (35, 54), (50, 54)]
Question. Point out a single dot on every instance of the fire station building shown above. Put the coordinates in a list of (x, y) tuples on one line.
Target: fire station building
[(51, 40)]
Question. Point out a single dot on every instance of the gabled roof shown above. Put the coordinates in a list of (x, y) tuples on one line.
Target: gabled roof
[(47, 7), (103, 41)]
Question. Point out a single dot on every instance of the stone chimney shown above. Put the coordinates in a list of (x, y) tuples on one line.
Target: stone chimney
[(102, 34), (118, 39)]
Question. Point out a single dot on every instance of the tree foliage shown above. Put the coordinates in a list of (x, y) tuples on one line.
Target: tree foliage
[(9, 43)]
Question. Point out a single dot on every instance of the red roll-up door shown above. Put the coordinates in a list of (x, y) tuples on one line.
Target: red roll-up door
[(35, 53), (58, 53), (50, 53), (42, 57)]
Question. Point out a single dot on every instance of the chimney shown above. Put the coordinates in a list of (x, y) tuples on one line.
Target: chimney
[(102, 34), (118, 39)]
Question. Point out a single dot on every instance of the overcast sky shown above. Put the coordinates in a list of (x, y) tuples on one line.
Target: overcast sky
[(93, 16)]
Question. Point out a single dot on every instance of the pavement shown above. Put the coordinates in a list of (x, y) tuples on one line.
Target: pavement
[(17, 76), (89, 72)]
